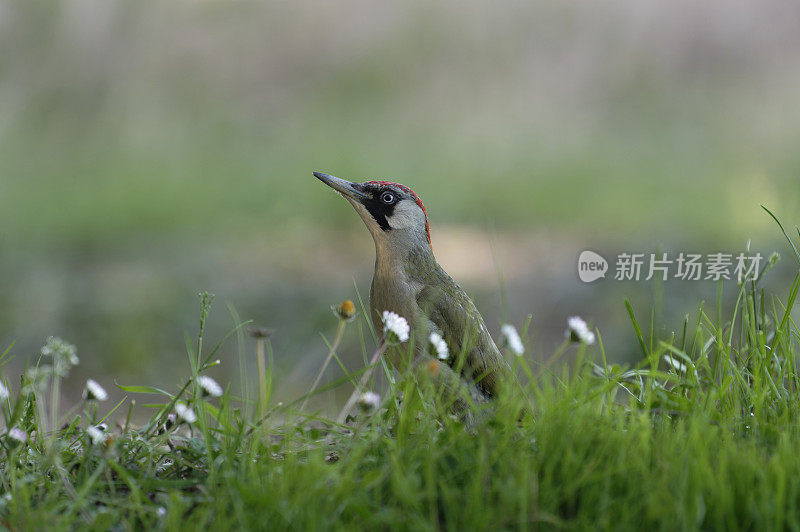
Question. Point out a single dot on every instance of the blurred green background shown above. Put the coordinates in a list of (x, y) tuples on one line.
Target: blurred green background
[(150, 150)]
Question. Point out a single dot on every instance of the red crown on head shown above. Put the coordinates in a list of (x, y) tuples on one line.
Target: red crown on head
[(413, 195)]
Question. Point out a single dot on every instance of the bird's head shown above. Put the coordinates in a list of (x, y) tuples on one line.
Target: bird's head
[(392, 212)]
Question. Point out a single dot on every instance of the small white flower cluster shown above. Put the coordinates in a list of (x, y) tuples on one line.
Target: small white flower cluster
[(438, 347), (510, 337), (209, 386), (185, 412), (94, 392), (64, 355), (395, 328), (4, 393), (54, 347), (369, 401), (578, 331)]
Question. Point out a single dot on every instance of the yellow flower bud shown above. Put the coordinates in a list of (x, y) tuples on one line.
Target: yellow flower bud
[(346, 311)]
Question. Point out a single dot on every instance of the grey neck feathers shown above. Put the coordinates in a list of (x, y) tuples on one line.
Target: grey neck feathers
[(393, 249)]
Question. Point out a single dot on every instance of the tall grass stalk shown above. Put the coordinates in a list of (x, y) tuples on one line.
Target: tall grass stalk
[(331, 351)]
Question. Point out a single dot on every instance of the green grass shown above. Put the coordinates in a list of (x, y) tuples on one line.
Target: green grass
[(702, 433)]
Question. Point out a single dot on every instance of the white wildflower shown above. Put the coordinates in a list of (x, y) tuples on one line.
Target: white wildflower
[(96, 435), (56, 347), (676, 364), (185, 412), (94, 392), (369, 401), (4, 393), (17, 434), (510, 337), (578, 331), (438, 347), (161, 511), (209, 386), (395, 327)]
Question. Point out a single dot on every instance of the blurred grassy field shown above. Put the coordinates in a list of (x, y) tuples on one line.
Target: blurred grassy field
[(151, 150)]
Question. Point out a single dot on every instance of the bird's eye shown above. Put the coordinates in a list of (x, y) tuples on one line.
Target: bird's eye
[(387, 197)]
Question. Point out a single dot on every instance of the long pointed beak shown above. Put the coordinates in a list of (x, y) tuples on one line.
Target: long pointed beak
[(342, 186)]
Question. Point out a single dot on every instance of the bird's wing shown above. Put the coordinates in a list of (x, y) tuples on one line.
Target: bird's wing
[(449, 308)]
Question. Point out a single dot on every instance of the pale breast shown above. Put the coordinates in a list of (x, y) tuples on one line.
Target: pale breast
[(397, 293)]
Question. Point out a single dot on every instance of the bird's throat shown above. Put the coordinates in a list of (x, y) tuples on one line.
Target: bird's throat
[(394, 255)]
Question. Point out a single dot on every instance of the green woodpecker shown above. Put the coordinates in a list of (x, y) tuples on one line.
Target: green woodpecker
[(408, 281)]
